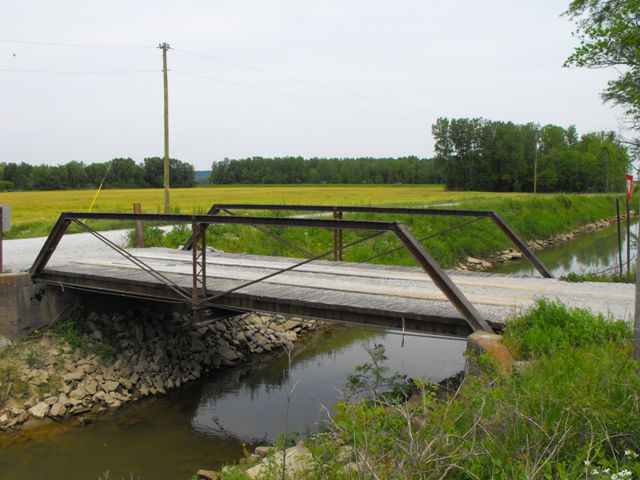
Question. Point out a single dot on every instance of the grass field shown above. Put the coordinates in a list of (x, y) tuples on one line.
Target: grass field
[(33, 213)]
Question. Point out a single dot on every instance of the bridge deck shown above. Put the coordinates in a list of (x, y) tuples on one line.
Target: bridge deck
[(335, 290)]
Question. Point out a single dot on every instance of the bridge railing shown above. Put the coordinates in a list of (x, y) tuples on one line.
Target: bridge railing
[(198, 296), (339, 210)]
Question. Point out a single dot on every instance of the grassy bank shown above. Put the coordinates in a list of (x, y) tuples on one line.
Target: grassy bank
[(570, 411), (531, 217), (33, 213)]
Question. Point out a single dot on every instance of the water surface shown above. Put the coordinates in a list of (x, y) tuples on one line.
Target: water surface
[(205, 424)]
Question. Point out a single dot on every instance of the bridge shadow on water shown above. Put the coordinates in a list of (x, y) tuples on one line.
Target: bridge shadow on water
[(205, 424)]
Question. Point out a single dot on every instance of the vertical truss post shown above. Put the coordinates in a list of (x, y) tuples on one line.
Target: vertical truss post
[(335, 236), (340, 238), (199, 254)]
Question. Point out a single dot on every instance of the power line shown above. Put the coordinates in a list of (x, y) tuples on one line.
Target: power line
[(300, 97), (64, 72), (72, 45), (301, 80)]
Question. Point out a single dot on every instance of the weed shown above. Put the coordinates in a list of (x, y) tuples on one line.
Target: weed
[(593, 277), (573, 412), (552, 327), (11, 383), (33, 359)]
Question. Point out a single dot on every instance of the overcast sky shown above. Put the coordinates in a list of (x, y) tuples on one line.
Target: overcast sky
[(393, 67)]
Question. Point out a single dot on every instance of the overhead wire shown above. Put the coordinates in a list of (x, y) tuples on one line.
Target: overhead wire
[(300, 97), (299, 80), (72, 45), (219, 80), (64, 72)]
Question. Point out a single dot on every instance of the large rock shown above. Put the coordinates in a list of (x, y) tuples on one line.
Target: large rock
[(39, 410), (74, 376), (58, 410), (296, 459), (110, 386), (481, 342), (78, 394)]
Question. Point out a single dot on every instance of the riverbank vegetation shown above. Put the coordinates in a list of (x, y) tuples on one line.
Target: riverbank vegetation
[(479, 154), (570, 409), (531, 217)]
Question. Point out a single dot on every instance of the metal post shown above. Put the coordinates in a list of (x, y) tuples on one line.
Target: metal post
[(636, 320), (335, 236), (619, 236), (340, 238), (195, 297), (628, 240), (139, 227), (198, 232)]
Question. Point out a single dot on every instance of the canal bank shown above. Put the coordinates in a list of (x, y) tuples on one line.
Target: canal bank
[(206, 423)]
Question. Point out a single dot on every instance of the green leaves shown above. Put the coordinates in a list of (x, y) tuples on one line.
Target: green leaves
[(609, 34)]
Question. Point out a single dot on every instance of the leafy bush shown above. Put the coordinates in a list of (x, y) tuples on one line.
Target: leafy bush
[(552, 327), (152, 236), (573, 412)]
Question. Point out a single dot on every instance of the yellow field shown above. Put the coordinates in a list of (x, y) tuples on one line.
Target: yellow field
[(28, 207)]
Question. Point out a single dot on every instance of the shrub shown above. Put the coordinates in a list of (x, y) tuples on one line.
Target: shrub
[(552, 327)]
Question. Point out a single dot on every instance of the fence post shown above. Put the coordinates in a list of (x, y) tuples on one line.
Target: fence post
[(139, 227)]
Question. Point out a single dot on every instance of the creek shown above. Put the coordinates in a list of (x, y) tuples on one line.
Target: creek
[(208, 423), (588, 253)]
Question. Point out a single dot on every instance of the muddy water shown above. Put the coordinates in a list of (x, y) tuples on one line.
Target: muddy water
[(205, 424)]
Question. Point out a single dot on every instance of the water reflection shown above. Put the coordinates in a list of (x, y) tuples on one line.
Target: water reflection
[(204, 424), (591, 252)]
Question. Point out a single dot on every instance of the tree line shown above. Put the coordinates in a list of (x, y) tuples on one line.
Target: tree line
[(118, 173), (260, 170), (479, 154)]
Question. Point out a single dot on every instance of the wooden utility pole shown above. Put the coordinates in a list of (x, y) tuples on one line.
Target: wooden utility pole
[(164, 47)]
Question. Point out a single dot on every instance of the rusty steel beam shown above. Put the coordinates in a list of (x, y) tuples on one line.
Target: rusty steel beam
[(50, 245), (493, 215), (199, 222), (441, 279)]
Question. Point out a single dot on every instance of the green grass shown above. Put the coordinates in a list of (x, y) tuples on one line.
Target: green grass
[(592, 277), (552, 327), (531, 217), (572, 411), (33, 213)]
